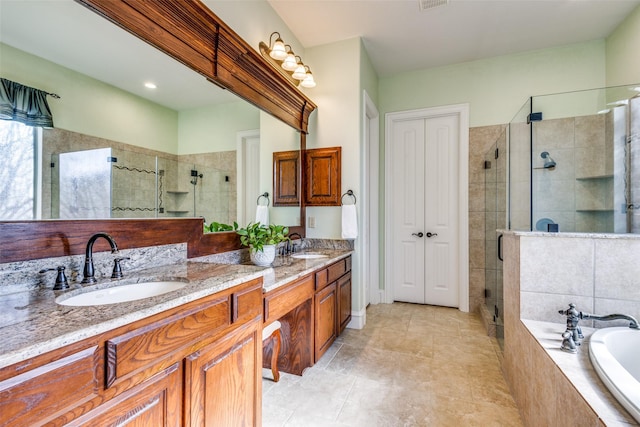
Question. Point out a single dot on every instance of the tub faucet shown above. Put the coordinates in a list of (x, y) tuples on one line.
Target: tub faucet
[(572, 336), (633, 323), (88, 272)]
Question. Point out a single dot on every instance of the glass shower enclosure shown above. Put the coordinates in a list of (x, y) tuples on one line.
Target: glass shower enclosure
[(574, 162)]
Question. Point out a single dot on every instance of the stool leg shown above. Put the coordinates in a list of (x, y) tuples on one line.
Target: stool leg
[(274, 355)]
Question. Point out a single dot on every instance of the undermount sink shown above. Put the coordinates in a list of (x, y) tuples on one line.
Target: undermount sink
[(118, 294), (308, 255)]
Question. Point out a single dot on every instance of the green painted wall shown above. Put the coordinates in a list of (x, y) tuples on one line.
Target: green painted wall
[(91, 107), (215, 128), (622, 48), (497, 87)]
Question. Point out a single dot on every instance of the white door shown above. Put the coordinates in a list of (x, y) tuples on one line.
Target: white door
[(424, 229)]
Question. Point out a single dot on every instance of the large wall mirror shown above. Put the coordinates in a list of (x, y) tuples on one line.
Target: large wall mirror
[(119, 149)]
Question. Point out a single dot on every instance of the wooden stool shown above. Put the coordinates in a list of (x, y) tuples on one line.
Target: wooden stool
[(273, 331)]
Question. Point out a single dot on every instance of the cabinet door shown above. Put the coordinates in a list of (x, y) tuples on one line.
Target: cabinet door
[(344, 302), (322, 169), (224, 380), (156, 402), (286, 178), (325, 316)]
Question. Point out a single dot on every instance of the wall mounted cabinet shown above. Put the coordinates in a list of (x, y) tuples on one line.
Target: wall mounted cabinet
[(286, 178), (322, 169)]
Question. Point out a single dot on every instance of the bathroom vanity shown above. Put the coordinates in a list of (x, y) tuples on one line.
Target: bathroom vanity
[(189, 357)]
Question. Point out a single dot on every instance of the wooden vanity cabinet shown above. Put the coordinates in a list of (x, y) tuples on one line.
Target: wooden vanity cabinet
[(196, 364), (332, 304)]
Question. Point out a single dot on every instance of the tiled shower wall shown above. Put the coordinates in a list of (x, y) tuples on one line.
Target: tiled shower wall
[(134, 179)]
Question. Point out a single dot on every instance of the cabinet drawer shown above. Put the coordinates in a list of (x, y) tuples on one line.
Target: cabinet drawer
[(247, 303), (284, 299), (321, 279), (148, 345), (336, 270), (33, 397)]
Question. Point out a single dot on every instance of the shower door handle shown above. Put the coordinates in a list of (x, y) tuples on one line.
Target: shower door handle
[(420, 234), (432, 234)]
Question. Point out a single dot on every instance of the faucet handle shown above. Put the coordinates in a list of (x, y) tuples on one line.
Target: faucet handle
[(61, 278), (117, 269)]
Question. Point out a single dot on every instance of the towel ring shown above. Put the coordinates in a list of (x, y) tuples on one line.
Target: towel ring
[(348, 193), (266, 196)]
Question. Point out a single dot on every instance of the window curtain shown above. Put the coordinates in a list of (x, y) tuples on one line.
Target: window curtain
[(24, 104)]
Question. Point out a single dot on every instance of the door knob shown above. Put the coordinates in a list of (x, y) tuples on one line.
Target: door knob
[(420, 234), (431, 234)]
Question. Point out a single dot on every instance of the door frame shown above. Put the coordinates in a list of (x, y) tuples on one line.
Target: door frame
[(462, 111), (243, 172), (370, 242)]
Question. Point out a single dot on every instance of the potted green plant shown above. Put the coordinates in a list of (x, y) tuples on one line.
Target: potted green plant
[(262, 241)]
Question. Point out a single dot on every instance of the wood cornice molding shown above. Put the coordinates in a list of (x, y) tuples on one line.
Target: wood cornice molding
[(191, 33)]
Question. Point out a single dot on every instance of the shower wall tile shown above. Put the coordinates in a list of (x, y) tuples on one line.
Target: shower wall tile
[(554, 195), (617, 270), (553, 134), (476, 197), (476, 225), (557, 265), (476, 253), (590, 161), (590, 131)]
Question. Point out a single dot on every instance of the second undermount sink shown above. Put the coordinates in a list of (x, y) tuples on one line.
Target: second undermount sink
[(308, 255), (118, 294)]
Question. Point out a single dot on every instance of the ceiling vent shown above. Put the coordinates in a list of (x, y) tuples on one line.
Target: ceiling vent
[(430, 4)]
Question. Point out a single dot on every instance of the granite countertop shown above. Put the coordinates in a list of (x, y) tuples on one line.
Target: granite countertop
[(32, 323)]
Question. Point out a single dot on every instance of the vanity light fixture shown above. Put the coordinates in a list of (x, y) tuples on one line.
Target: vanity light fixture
[(308, 79), (278, 50), (286, 61)]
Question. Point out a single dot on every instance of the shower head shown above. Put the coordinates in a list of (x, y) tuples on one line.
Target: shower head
[(548, 161)]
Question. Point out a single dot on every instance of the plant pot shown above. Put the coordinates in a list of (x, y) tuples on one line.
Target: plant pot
[(265, 257)]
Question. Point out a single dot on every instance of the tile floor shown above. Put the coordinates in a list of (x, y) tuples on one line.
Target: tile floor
[(412, 365)]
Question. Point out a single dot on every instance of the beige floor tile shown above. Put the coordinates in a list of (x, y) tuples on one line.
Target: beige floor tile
[(411, 365)]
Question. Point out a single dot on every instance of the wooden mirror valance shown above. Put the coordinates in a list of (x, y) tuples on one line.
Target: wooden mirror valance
[(189, 32)]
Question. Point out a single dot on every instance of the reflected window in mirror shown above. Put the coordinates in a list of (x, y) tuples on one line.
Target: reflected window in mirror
[(18, 149)]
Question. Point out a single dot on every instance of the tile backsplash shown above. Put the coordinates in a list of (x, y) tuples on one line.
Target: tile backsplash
[(25, 275)]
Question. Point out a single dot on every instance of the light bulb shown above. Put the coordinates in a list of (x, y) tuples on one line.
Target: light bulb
[(300, 73), (278, 51)]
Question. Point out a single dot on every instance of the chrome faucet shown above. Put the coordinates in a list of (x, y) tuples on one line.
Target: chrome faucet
[(633, 323), (572, 336), (88, 272)]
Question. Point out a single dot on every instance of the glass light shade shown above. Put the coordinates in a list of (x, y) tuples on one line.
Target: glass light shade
[(300, 73), (278, 51), (308, 81), (290, 62)]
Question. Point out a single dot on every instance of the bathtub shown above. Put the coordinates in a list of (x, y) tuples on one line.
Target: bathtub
[(615, 355)]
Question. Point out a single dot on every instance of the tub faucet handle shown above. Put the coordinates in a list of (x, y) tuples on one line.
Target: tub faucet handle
[(573, 334)]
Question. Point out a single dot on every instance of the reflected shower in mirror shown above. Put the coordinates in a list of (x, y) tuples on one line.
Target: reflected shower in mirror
[(156, 137)]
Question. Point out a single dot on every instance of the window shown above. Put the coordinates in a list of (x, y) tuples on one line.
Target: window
[(17, 172)]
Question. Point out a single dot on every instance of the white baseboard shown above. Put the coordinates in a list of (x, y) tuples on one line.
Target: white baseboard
[(358, 319)]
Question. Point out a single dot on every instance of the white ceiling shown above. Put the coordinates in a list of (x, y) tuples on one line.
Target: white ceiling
[(399, 37)]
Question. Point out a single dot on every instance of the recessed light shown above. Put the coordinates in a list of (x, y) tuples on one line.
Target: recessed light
[(150, 85)]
